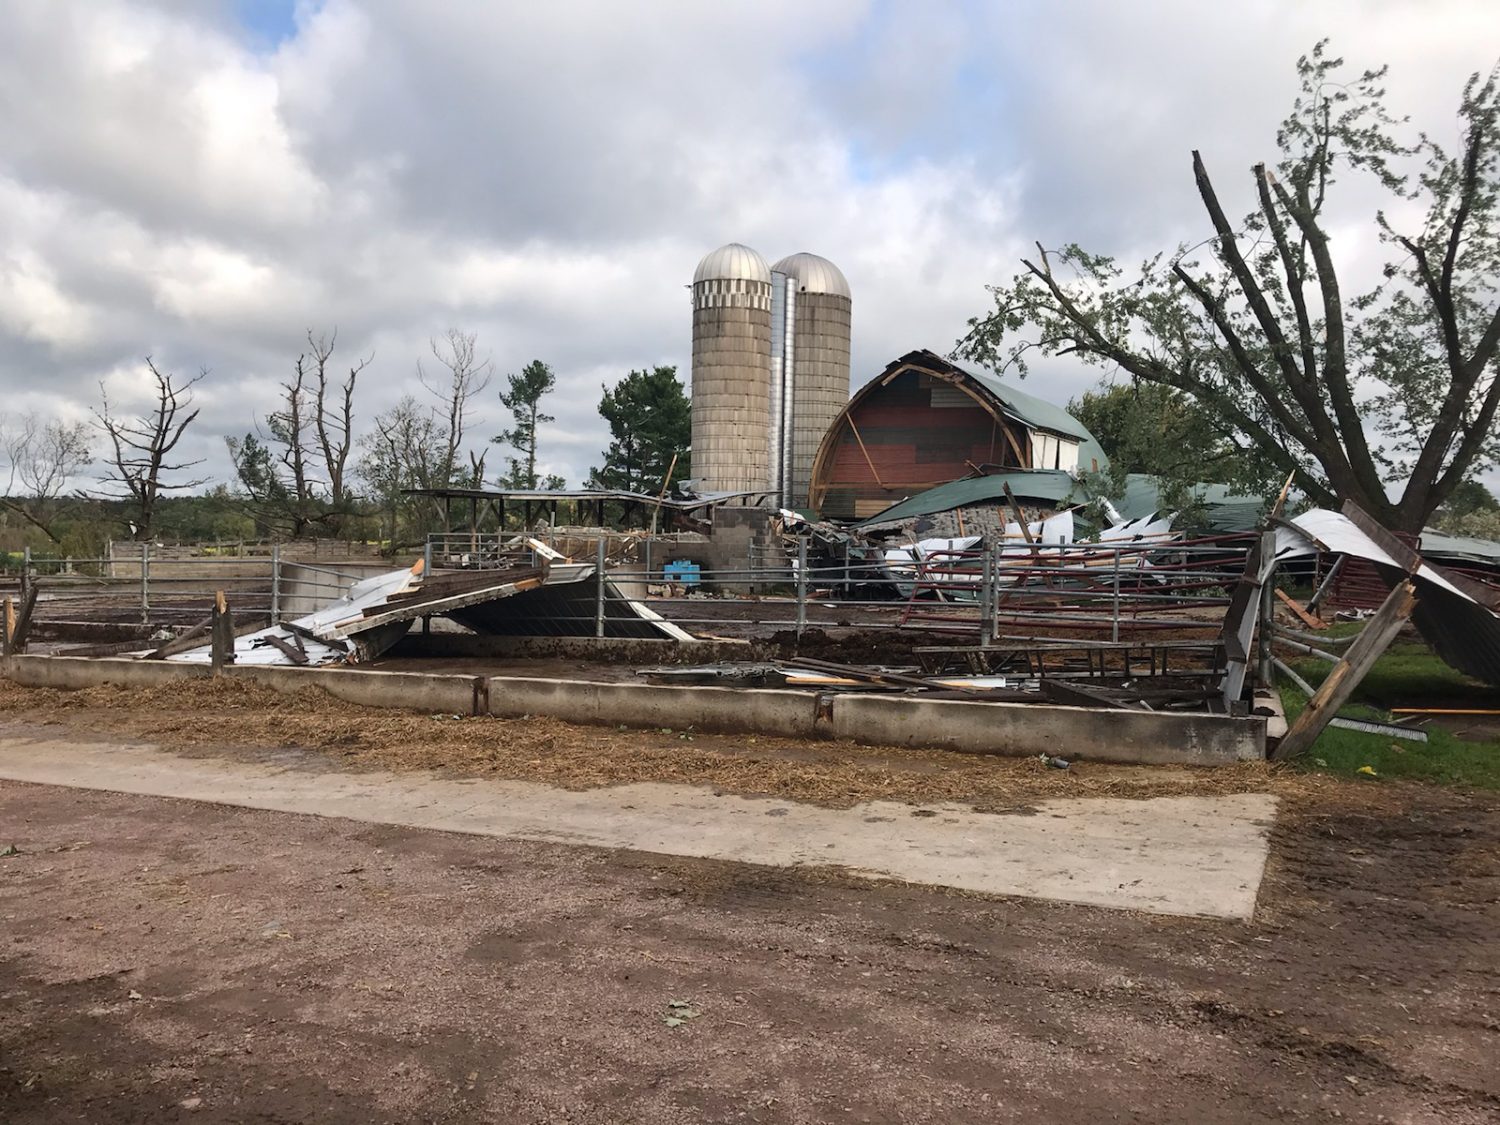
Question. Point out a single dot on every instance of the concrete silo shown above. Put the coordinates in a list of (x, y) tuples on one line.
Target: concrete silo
[(813, 304), (732, 371)]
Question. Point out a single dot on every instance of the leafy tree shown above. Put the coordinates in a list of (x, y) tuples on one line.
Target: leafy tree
[(1151, 429), (522, 397), (405, 450), (1471, 510), (1350, 393), (650, 422)]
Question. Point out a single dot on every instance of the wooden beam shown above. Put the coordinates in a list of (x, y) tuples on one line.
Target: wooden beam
[(873, 470), (1346, 675), (21, 633), (222, 652), (1076, 695), (183, 641), (1308, 619), (295, 653), (1244, 609)]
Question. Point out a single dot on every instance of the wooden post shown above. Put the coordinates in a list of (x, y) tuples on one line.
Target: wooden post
[(222, 633), (7, 627), (20, 626), (1243, 614), (1348, 672)]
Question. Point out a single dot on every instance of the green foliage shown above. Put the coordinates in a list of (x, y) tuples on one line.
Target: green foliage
[(1442, 760), (650, 423), (1164, 433), (522, 397), (1261, 336), (1471, 510)]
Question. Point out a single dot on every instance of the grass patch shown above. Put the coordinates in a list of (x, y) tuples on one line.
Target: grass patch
[(1409, 674), (1442, 759)]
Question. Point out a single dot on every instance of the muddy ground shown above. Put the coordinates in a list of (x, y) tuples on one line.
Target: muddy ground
[(170, 961)]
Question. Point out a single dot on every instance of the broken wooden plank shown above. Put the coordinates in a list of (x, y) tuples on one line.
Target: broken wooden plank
[(1076, 695), (295, 653), (1308, 619), (1335, 691), (21, 631), (1244, 610), (183, 642)]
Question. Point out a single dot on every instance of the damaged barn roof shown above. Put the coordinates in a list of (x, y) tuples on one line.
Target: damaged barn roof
[(1036, 413), (1459, 617), (1053, 486)]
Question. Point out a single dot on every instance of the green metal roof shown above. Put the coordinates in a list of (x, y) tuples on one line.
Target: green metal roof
[(1461, 548), (1224, 509), (1050, 485)]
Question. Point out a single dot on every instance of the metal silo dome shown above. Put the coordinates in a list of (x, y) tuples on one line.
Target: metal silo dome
[(813, 274), (732, 370), (733, 261)]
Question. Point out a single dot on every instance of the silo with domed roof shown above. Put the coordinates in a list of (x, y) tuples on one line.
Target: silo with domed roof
[(731, 391), (813, 299)]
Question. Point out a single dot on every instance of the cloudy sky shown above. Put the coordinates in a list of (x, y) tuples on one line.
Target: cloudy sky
[(204, 180)]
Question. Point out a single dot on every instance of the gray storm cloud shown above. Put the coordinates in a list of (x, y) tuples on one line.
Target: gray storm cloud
[(548, 175)]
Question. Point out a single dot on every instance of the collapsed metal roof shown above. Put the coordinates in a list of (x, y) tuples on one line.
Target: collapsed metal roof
[(1458, 617), (1052, 486)]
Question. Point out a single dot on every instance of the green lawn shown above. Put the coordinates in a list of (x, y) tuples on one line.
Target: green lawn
[(1442, 758), (1408, 675)]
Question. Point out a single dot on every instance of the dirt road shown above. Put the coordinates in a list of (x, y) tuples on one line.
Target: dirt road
[(162, 960), (170, 961)]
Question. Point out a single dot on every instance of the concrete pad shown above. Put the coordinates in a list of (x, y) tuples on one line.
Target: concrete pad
[(1167, 855)]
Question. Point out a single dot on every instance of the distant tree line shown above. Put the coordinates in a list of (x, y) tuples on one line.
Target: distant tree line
[(306, 468)]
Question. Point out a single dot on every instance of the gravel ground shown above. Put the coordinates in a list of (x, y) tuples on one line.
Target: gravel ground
[(166, 961)]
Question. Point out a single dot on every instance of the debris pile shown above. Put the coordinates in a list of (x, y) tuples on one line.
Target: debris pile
[(555, 598)]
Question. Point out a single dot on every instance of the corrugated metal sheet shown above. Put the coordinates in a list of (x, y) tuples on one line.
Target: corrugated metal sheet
[(1464, 633), (1051, 487)]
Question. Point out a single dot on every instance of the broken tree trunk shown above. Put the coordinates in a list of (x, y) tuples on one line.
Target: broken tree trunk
[(222, 631), (1335, 691)]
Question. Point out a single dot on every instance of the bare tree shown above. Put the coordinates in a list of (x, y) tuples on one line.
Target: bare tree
[(296, 471), (140, 448), (42, 458), (464, 377), (333, 421)]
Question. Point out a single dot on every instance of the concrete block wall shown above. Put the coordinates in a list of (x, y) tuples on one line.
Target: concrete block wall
[(791, 714), (1008, 729), (1025, 730)]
